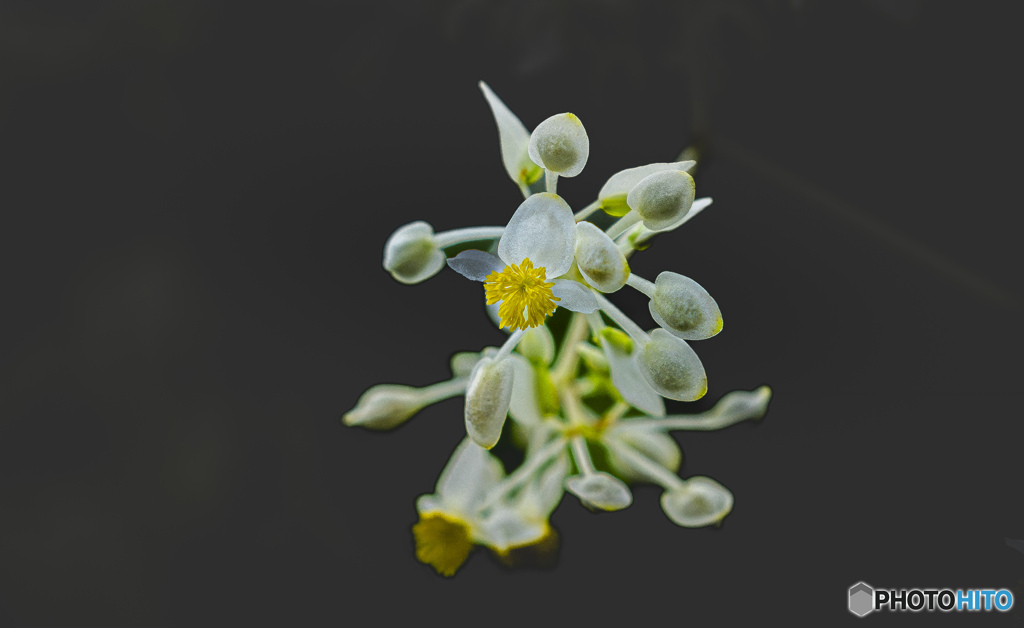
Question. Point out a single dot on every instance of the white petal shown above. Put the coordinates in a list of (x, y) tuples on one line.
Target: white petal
[(600, 262), (627, 378), (671, 367), (655, 444), (622, 182), (467, 477), (662, 198), (487, 399), (540, 497), (560, 144), (514, 138), (542, 229), (506, 528), (475, 265), (701, 502), (600, 490), (410, 254), (574, 296), (683, 308), (385, 406), (524, 405)]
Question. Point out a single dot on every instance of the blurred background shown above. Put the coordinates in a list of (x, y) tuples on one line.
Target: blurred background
[(195, 201)]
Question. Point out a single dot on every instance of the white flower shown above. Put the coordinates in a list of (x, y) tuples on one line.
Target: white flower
[(534, 252), (476, 503), (449, 518), (515, 142)]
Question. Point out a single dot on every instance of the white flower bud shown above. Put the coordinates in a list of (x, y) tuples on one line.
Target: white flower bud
[(385, 406), (613, 194), (663, 198), (672, 368), (699, 502), (560, 144), (537, 345), (600, 262), (600, 490), (650, 442), (410, 254), (681, 306), (487, 400)]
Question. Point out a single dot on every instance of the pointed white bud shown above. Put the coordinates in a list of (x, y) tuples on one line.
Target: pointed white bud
[(410, 254), (663, 198), (701, 501), (672, 368), (681, 306), (385, 406), (560, 144), (487, 400)]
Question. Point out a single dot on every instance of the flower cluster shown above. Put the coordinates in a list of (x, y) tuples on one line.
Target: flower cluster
[(589, 417)]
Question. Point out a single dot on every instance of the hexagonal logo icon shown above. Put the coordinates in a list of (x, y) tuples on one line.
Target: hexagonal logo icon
[(862, 598)]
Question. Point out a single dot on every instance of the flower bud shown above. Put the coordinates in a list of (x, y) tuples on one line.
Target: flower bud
[(662, 198), (410, 254), (685, 309), (537, 345), (699, 502), (600, 490), (613, 193), (600, 262), (560, 144), (672, 368), (487, 400), (385, 406)]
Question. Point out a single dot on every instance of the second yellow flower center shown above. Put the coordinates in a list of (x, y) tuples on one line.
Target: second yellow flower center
[(521, 288)]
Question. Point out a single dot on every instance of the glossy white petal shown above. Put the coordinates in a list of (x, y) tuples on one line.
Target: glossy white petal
[(469, 474), (475, 265), (600, 490), (541, 497), (524, 405), (542, 229), (701, 502), (656, 445), (685, 309), (487, 400), (600, 261), (410, 254), (626, 374), (385, 406), (671, 367), (514, 138), (506, 528), (622, 182), (560, 144), (574, 296), (662, 198)]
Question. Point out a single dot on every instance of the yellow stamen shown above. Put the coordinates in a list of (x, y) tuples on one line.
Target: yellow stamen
[(442, 542), (521, 288)]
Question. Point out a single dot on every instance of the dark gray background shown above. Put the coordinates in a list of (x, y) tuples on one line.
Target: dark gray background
[(195, 200)]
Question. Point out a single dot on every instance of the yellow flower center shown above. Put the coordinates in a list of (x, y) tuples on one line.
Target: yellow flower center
[(521, 288), (442, 542)]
